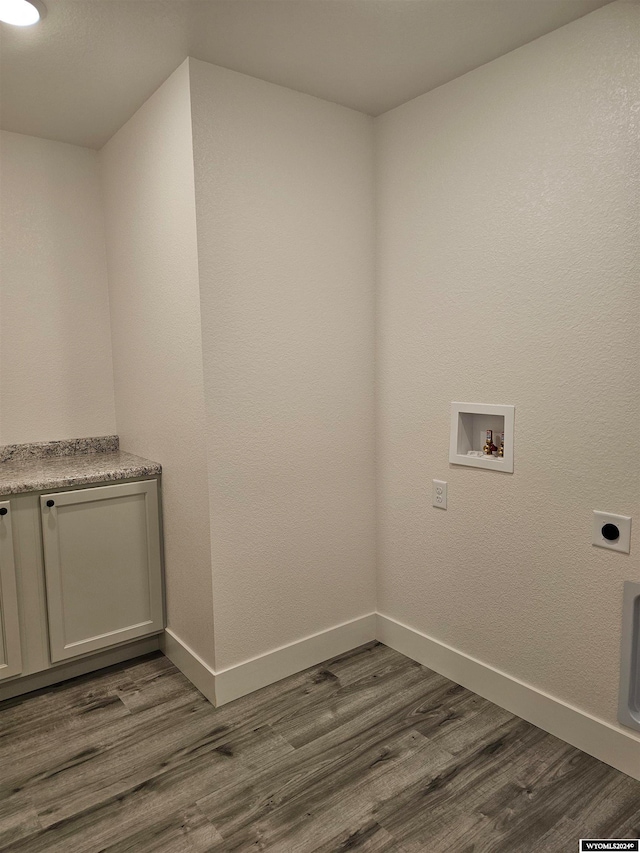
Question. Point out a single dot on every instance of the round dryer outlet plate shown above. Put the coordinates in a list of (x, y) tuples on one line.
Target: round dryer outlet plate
[(602, 523)]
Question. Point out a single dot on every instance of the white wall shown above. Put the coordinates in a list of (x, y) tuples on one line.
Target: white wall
[(284, 196), (56, 377), (155, 314), (508, 273)]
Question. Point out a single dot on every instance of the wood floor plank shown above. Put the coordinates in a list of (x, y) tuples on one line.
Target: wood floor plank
[(458, 718), (365, 661), (630, 828), (613, 808), (330, 755), (368, 751), (75, 767), (561, 838), (18, 819), (123, 811), (77, 707), (283, 700), (199, 759), (181, 832), (304, 814), (535, 805), (430, 808), (353, 701), (367, 838)]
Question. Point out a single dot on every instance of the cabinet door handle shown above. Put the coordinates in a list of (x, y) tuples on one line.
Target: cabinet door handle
[(3, 510), (51, 503)]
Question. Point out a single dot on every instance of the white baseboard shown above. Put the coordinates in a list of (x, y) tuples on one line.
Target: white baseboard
[(225, 685), (591, 735), (256, 673), (190, 664)]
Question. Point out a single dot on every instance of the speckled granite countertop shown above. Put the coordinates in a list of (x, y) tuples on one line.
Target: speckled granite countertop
[(24, 472)]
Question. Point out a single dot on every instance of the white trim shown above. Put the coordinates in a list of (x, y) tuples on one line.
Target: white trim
[(190, 664), (287, 660), (590, 734), (235, 681)]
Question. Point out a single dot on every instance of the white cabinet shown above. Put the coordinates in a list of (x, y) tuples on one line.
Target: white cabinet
[(102, 566), (80, 581), (10, 651)]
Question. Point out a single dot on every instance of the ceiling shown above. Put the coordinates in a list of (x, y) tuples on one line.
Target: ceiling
[(80, 73)]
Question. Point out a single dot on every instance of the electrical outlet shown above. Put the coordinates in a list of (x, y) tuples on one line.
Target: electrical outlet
[(612, 531), (439, 494)]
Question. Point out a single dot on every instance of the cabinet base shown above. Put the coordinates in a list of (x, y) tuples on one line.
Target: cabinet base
[(71, 669)]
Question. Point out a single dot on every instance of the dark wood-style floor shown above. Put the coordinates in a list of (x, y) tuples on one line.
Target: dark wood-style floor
[(369, 751)]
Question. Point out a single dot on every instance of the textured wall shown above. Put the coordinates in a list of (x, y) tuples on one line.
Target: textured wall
[(56, 377), (285, 237), (508, 273), (155, 315)]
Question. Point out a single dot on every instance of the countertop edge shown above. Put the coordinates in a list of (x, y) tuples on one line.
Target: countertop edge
[(39, 481), (83, 480)]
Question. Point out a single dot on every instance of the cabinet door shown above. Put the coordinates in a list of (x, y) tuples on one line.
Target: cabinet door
[(10, 653), (102, 566)]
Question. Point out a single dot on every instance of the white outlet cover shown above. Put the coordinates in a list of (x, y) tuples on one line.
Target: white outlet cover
[(622, 522), (439, 494)]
